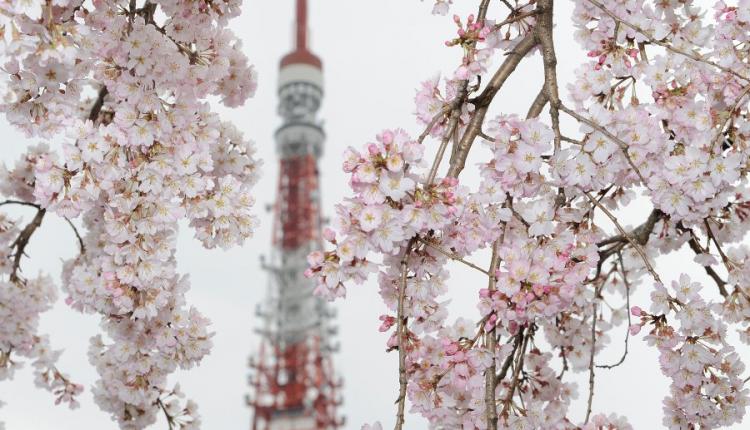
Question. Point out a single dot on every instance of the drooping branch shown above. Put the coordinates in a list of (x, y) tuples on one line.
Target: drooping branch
[(696, 247), (543, 36), (640, 234), (19, 202), (516, 372), (401, 334), (490, 383), (591, 363), (22, 241), (455, 114), (627, 311)]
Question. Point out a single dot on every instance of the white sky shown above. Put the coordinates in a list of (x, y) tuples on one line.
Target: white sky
[(375, 54)]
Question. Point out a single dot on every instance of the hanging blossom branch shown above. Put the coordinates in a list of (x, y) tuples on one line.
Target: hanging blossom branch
[(127, 83), (659, 84)]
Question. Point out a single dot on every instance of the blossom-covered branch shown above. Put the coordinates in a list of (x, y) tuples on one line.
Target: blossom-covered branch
[(127, 83), (661, 83)]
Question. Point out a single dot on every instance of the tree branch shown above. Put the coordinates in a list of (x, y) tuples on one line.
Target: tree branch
[(482, 103), (627, 310), (627, 236), (23, 240), (543, 36), (401, 335), (454, 257), (489, 374), (591, 364)]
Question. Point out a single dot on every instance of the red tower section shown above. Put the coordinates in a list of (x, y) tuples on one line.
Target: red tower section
[(293, 381)]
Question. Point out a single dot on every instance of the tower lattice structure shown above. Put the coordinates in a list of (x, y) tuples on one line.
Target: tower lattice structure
[(293, 381)]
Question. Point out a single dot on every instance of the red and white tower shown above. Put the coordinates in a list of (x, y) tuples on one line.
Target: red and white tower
[(293, 381)]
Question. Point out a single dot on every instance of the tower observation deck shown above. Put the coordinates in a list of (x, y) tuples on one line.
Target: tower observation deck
[(293, 383)]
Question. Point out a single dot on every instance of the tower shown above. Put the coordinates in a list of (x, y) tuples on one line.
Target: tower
[(292, 379)]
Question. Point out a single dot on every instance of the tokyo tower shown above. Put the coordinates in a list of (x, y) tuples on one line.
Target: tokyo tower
[(293, 383)]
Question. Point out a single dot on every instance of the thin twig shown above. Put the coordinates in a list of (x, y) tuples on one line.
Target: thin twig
[(453, 256), (489, 376), (19, 202), (623, 146), (698, 249), (455, 116), (627, 309), (627, 236), (729, 117), (516, 372), (669, 47), (591, 364), (711, 236), (170, 419), (518, 340), (78, 235), (514, 18)]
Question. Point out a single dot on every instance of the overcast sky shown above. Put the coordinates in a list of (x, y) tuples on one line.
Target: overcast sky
[(375, 54)]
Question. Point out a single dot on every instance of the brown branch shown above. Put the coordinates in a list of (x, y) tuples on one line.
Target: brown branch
[(455, 111), (401, 335), (19, 202), (481, 16), (489, 376), (482, 103), (540, 101), (627, 236), (23, 240), (98, 104), (543, 36), (591, 364), (641, 234)]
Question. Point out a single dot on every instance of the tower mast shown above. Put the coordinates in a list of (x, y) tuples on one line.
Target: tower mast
[(293, 381)]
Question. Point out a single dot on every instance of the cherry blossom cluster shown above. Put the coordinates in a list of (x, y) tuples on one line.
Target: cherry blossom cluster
[(536, 281), (388, 208), (707, 387), (127, 84)]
